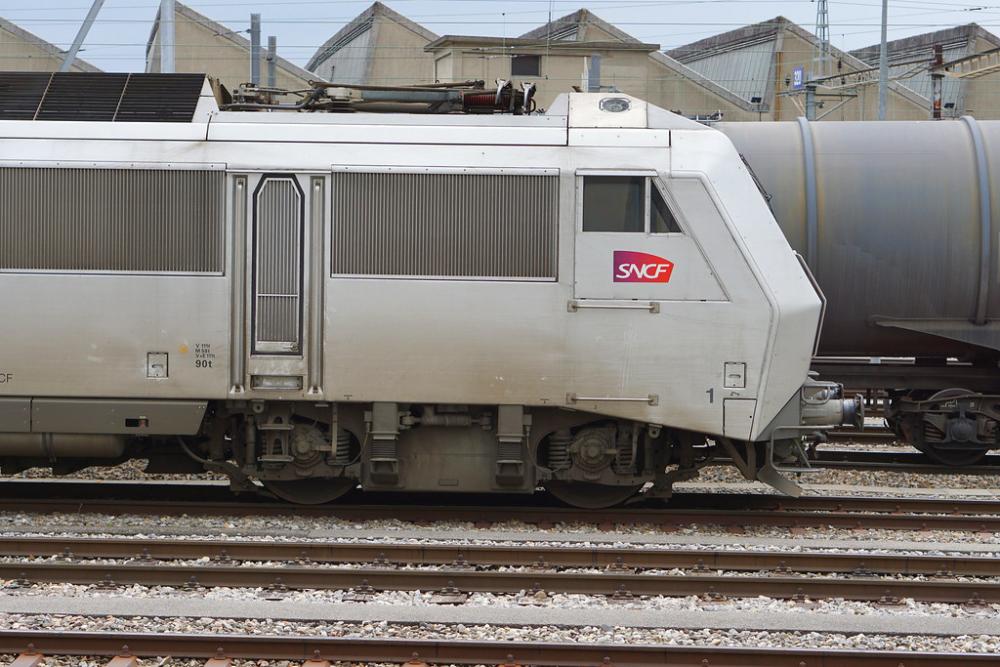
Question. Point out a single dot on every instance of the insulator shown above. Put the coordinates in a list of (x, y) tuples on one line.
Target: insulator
[(343, 454), (559, 458)]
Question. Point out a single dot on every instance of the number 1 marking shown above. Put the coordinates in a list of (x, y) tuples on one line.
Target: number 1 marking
[(711, 394)]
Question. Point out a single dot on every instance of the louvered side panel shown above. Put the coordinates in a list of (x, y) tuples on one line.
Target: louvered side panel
[(278, 267), (445, 225), (112, 220)]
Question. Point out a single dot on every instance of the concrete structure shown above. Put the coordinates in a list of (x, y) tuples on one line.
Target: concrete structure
[(22, 51), (560, 56), (979, 96), (379, 47), (760, 62), (203, 45), (746, 74)]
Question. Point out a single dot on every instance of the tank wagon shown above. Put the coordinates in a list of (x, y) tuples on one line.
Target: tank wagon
[(590, 300), (896, 221)]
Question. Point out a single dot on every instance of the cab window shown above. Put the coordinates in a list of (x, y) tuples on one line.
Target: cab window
[(626, 204)]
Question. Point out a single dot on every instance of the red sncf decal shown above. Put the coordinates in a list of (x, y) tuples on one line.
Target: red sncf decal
[(641, 267)]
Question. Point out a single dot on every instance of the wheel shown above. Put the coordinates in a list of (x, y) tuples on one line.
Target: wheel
[(947, 455), (586, 495), (314, 491)]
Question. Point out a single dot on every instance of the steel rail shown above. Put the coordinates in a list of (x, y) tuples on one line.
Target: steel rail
[(217, 494), (683, 509), (463, 652), (905, 461), (477, 555), (455, 581), (954, 515)]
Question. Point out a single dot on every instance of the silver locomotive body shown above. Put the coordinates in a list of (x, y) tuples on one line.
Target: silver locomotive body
[(474, 303)]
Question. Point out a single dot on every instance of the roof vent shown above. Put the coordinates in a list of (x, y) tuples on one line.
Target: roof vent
[(90, 96)]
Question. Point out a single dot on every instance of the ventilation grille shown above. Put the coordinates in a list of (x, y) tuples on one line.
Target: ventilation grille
[(21, 94), (445, 225), (136, 221), (93, 96), (278, 267)]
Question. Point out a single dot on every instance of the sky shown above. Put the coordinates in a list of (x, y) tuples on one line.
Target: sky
[(117, 40)]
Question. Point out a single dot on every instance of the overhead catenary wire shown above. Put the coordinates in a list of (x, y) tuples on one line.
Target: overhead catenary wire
[(695, 28)]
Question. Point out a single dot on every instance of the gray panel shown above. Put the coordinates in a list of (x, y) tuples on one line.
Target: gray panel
[(58, 415), (129, 220), (445, 225), (278, 266), (745, 71), (15, 415)]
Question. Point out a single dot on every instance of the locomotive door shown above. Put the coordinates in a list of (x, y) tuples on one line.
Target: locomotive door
[(281, 287), (633, 244)]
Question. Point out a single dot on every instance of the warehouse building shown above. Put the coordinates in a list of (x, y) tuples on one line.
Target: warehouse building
[(22, 51), (203, 45), (977, 95), (582, 51), (768, 62), (383, 47), (753, 73), (379, 47)]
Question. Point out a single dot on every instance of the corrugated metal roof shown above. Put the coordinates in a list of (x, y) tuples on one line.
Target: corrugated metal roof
[(745, 70)]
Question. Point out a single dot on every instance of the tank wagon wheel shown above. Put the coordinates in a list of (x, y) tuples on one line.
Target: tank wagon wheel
[(954, 458), (586, 495), (316, 491), (949, 456)]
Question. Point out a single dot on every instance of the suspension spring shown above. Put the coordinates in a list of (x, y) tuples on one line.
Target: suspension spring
[(559, 456), (343, 455), (626, 450)]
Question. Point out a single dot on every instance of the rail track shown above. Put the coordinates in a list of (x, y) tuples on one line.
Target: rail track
[(904, 461), (687, 509), (416, 652), (453, 572)]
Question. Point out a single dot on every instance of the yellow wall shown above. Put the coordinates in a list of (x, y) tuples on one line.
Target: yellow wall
[(982, 94), (199, 49), (399, 56), (17, 54), (632, 72), (797, 52)]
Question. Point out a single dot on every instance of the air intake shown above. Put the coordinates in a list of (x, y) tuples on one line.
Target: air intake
[(89, 96)]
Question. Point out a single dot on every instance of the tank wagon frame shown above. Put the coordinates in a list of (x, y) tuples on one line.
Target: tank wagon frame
[(591, 300)]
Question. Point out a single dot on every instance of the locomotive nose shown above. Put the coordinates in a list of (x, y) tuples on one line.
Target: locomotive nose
[(824, 404)]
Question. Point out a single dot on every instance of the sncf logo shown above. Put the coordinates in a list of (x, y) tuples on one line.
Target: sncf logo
[(641, 267)]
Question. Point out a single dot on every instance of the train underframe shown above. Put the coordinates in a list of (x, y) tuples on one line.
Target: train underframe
[(949, 409), (313, 453)]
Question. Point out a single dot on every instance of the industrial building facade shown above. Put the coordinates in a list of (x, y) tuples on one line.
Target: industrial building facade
[(205, 46), (756, 72), (23, 51)]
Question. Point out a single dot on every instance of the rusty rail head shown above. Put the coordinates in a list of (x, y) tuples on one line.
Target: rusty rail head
[(144, 550), (446, 651), (458, 583)]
